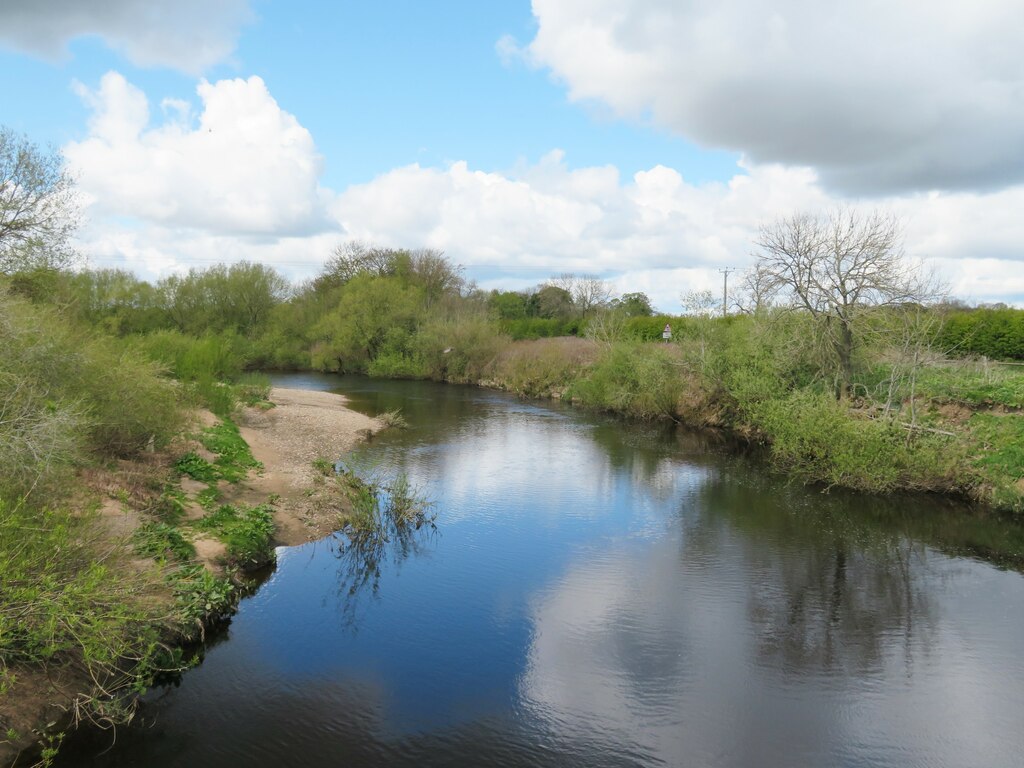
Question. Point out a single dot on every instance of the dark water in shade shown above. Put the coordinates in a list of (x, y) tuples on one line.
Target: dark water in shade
[(605, 594)]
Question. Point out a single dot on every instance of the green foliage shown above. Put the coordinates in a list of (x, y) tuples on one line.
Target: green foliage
[(234, 457), (995, 333), (999, 456), (650, 328), (234, 298), (543, 327), (974, 384), (458, 348), (196, 467), (641, 381), (66, 602), (163, 542), (200, 598), (539, 368), (253, 388), (247, 532), (208, 357), (68, 394), (507, 305), (394, 419), (377, 317), (819, 439)]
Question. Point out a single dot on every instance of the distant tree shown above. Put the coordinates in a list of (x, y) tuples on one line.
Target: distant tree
[(834, 266), (375, 315), (38, 208), (435, 274), (702, 303), (116, 300), (588, 292), (550, 301), (238, 297), (507, 305), (633, 305)]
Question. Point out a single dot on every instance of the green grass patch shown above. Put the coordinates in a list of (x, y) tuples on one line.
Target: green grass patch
[(163, 542), (199, 598), (999, 456), (246, 531), (196, 467), (234, 458), (974, 385)]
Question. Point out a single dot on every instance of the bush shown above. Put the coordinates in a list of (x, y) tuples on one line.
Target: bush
[(644, 381), (819, 439), (995, 333), (68, 394), (66, 600)]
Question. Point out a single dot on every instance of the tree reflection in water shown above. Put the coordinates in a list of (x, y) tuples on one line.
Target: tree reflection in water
[(830, 591), (391, 521)]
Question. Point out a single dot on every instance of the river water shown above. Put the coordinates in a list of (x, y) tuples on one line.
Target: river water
[(598, 593)]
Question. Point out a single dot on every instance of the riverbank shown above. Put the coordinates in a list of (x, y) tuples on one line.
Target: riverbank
[(179, 529), (951, 427)]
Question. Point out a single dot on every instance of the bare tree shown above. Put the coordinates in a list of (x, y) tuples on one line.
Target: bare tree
[(835, 266), (588, 292), (38, 209), (701, 303)]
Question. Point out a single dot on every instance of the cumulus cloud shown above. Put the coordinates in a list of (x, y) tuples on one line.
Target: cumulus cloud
[(655, 231), (237, 178), (909, 96), (189, 35), (243, 167)]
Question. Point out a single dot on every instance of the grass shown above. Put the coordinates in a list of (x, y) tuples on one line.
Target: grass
[(234, 457), (975, 384), (163, 542), (394, 419), (999, 457), (246, 531)]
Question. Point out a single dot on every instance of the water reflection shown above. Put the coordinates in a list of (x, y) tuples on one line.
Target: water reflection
[(391, 522)]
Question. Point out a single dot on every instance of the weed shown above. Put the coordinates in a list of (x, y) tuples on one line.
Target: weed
[(196, 467), (394, 419), (234, 457), (246, 531), (163, 542)]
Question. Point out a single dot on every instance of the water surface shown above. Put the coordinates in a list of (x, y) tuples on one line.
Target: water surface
[(604, 594)]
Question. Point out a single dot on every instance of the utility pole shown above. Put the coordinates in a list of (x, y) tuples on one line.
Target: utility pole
[(725, 290)]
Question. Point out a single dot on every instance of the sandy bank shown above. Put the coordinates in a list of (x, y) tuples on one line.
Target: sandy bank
[(305, 425)]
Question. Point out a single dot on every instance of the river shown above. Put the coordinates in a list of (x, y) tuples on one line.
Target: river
[(599, 593)]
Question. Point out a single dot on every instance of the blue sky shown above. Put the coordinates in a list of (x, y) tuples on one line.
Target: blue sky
[(676, 131)]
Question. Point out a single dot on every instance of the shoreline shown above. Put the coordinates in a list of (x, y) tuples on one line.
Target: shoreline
[(303, 426)]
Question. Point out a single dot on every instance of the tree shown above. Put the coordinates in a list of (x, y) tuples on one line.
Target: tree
[(835, 266), (550, 301), (588, 292), (38, 208), (633, 305), (701, 303), (238, 297)]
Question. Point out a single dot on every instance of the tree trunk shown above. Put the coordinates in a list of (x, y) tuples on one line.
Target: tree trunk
[(844, 349)]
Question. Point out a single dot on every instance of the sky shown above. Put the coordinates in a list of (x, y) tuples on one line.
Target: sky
[(643, 141)]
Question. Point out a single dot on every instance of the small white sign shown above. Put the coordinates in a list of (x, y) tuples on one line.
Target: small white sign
[(667, 333)]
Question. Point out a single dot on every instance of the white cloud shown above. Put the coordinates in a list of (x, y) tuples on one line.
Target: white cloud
[(189, 35), (917, 95), (239, 180), (243, 167), (656, 232)]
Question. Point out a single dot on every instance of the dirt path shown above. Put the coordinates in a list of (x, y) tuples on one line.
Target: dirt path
[(304, 426)]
